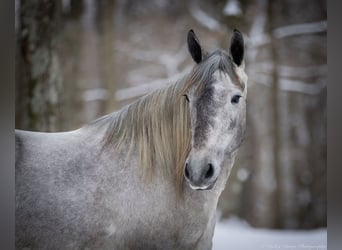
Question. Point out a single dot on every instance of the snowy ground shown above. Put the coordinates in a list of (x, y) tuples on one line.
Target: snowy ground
[(234, 234)]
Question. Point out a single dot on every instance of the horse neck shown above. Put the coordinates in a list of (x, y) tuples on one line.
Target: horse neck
[(155, 128)]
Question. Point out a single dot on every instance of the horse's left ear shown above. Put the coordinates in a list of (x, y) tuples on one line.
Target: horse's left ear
[(237, 47), (194, 47)]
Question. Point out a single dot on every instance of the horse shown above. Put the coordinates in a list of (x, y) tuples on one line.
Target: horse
[(148, 176)]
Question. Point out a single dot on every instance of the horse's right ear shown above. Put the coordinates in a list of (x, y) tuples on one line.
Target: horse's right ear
[(194, 47)]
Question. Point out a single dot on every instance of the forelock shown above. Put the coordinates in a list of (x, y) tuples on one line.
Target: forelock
[(203, 73)]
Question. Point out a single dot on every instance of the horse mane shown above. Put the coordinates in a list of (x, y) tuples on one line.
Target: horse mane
[(156, 127)]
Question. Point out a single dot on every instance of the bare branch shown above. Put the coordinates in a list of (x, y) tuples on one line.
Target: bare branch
[(299, 29), (312, 88), (95, 94), (204, 19), (289, 71), (257, 38), (145, 88), (169, 60), (303, 72), (148, 56), (302, 87)]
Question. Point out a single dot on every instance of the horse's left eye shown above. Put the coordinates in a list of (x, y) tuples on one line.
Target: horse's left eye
[(235, 99), (186, 97)]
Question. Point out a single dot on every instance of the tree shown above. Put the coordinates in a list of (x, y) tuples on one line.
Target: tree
[(38, 79)]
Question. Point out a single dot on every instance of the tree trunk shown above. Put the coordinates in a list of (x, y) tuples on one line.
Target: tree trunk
[(39, 79), (286, 115)]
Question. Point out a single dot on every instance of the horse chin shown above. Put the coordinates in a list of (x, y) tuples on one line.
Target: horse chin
[(202, 188)]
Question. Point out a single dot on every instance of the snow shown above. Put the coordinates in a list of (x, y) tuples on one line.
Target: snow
[(95, 94), (232, 8), (235, 234)]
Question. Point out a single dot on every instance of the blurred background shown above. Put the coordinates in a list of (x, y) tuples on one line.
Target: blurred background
[(78, 60)]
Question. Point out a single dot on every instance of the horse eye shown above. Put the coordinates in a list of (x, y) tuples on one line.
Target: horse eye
[(187, 98), (235, 99)]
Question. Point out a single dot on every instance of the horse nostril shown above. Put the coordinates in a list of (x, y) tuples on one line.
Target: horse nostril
[(186, 172), (210, 171)]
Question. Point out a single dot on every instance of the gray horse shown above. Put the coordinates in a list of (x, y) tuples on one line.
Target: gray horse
[(145, 177)]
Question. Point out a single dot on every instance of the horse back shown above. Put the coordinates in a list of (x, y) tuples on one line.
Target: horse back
[(49, 170)]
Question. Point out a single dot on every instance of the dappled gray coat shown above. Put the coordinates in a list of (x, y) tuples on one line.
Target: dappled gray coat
[(146, 177)]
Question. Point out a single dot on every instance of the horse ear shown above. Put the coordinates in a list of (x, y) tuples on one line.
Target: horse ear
[(237, 47), (194, 46)]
